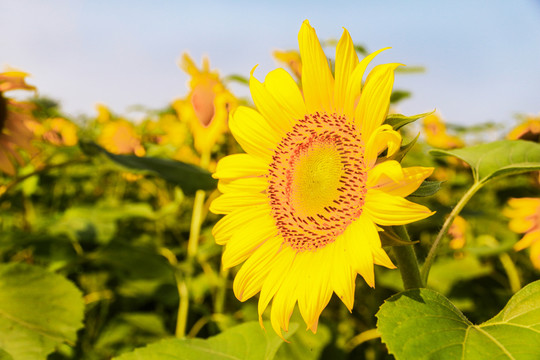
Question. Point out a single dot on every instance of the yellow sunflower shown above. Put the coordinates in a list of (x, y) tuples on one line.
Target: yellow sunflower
[(206, 108), (524, 214), (292, 59), (436, 136), (458, 232), (119, 137), (528, 130), (57, 131), (303, 203), (15, 121)]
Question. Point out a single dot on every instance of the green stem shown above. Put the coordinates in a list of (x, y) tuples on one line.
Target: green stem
[(446, 226), (511, 272), (407, 262)]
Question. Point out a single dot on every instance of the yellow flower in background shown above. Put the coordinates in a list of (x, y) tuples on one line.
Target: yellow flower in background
[(436, 136), (119, 137), (292, 59), (528, 130), (206, 108), (57, 131), (304, 203), (524, 214), (104, 114), (458, 231), (15, 122)]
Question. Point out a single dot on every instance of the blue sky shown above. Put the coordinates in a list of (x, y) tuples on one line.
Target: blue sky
[(482, 57)]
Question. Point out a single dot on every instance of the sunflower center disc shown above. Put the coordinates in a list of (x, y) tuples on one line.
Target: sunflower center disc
[(317, 181)]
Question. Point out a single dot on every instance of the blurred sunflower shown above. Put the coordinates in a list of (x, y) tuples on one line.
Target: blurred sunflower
[(524, 214), (303, 204), (528, 130), (57, 131), (15, 121), (206, 108), (458, 231), (292, 59), (436, 136), (119, 137)]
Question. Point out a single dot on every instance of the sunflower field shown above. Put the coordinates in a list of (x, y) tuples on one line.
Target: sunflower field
[(310, 221)]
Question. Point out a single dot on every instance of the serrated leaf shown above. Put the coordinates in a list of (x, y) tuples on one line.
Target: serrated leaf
[(246, 341), (504, 157), (422, 324), (39, 311), (397, 121), (427, 188), (189, 177)]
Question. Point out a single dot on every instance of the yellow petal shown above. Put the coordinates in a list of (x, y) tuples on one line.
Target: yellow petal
[(315, 291), (375, 99), (246, 239), (270, 108), (281, 266), (346, 61), (252, 274), (254, 133), (227, 203), (381, 139), (527, 240), (252, 184), (283, 305), (343, 276), (240, 165), (520, 225), (354, 85), (317, 80), (357, 238), (391, 178), (284, 89), (385, 209), (225, 228)]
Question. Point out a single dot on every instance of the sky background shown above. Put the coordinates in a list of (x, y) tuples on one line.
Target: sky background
[(482, 57)]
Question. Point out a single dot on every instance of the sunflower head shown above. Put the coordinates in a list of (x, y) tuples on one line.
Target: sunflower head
[(527, 130), (206, 108), (436, 136), (120, 137), (524, 214), (303, 205)]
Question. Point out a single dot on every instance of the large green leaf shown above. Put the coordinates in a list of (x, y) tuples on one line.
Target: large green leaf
[(39, 310), (422, 324), (504, 157), (189, 177), (246, 341)]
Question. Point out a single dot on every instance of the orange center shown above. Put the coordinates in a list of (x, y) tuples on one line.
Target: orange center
[(317, 180)]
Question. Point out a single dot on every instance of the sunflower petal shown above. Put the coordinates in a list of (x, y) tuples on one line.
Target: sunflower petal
[(385, 209), (227, 203), (346, 61), (357, 238), (246, 239), (284, 89), (527, 240), (240, 165), (381, 139), (251, 184), (283, 305), (225, 227), (317, 80), (375, 99), (391, 178), (343, 276), (253, 272)]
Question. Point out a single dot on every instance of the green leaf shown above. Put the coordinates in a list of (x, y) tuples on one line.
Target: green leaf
[(427, 188), (246, 341), (504, 157), (397, 121), (39, 310), (398, 95), (423, 324), (189, 177)]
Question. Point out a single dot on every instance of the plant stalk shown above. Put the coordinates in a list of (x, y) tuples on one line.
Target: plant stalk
[(407, 261)]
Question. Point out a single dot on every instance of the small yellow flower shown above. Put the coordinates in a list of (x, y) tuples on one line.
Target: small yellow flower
[(57, 131), (206, 108), (119, 137), (292, 59), (303, 204), (15, 122), (524, 214), (104, 114), (528, 130), (436, 136), (458, 231)]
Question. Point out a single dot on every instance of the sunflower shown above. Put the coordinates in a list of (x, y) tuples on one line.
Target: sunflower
[(292, 59), (524, 214), (206, 108), (458, 233), (436, 135), (120, 137), (15, 122), (528, 130), (57, 131), (303, 204)]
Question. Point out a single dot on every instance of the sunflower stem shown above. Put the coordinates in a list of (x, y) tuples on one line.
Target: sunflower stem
[(446, 226), (407, 261)]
